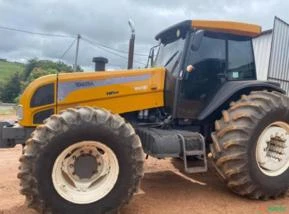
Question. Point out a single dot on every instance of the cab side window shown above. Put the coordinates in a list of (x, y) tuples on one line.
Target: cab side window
[(240, 60)]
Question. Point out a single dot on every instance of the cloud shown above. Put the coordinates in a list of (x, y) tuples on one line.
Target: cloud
[(106, 22)]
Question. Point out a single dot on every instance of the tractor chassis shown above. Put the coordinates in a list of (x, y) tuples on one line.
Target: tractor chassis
[(12, 134)]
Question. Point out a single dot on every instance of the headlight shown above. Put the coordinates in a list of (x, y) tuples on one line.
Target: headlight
[(19, 112)]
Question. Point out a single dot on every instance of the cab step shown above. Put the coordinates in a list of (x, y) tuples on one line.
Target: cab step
[(187, 145), (200, 155)]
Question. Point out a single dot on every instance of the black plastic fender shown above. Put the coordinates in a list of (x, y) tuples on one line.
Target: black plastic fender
[(233, 90)]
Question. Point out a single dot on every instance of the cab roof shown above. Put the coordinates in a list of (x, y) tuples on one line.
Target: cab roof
[(236, 28)]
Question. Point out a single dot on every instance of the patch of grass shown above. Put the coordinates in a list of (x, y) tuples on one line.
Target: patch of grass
[(8, 68)]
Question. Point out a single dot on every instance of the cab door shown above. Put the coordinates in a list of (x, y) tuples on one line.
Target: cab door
[(202, 76)]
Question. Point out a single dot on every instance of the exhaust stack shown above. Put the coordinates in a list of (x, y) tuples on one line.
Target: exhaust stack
[(99, 63)]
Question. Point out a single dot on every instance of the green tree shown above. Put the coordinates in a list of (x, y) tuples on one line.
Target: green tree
[(45, 65), (32, 63), (11, 88)]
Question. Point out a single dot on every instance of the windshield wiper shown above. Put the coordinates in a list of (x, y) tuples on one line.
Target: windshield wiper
[(171, 58)]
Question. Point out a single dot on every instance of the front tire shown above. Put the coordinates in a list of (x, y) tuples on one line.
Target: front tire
[(83, 160), (250, 145)]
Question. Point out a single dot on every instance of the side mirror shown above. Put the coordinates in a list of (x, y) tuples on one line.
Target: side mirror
[(196, 40)]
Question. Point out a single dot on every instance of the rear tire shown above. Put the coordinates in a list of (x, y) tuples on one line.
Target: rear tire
[(40, 168), (242, 156)]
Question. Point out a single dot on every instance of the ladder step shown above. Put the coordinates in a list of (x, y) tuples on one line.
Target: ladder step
[(196, 169)]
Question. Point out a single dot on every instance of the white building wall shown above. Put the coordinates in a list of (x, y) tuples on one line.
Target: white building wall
[(279, 60), (262, 49)]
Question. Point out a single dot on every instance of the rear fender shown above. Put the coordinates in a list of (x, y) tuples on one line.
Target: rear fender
[(231, 91)]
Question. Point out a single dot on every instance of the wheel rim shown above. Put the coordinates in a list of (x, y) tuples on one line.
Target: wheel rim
[(85, 172), (272, 151)]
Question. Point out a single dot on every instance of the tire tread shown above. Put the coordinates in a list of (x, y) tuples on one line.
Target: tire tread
[(57, 124), (229, 154)]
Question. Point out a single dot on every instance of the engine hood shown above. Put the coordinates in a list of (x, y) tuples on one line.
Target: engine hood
[(118, 91)]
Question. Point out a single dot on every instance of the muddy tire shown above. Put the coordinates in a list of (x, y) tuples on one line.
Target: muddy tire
[(250, 144), (116, 142)]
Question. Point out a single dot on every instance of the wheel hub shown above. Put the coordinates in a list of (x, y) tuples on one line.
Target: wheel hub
[(272, 152), (80, 168), (85, 163), (85, 172)]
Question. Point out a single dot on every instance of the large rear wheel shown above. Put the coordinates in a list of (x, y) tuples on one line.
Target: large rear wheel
[(251, 145), (83, 160)]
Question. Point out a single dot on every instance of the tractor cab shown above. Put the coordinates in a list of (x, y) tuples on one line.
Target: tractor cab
[(201, 57)]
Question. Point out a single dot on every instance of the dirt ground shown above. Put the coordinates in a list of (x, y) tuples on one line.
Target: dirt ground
[(164, 191)]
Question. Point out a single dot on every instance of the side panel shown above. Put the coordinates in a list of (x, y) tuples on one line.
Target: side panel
[(119, 92), (279, 58), (170, 96)]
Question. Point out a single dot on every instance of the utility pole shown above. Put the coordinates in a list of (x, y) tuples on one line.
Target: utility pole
[(131, 45), (76, 52)]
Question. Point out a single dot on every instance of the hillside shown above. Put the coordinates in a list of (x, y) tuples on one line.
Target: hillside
[(7, 68), (11, 83)]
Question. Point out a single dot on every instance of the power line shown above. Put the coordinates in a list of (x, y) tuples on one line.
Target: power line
[(107, 50), (93, 43), (35, 33), (100, 47), (66, 51), (117, 50), (115, 65), (66, 36)]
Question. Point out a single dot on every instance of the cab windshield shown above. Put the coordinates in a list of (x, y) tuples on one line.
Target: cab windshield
[(171, 49), (169, 53)]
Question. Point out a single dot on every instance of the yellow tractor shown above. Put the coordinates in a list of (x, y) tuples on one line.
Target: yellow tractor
[(84, 135)]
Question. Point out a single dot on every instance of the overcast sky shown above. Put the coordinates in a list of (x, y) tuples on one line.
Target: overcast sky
[(105, 22)]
